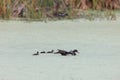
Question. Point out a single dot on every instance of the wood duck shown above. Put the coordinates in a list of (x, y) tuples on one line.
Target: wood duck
[(73, 52), (65, 53), (62, 52)]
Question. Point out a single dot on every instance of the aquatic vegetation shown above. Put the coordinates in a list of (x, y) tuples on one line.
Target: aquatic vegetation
[(41, 9)]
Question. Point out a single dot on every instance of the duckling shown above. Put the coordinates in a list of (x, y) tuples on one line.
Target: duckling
[(37, 53), (50, 51), (43, 52)]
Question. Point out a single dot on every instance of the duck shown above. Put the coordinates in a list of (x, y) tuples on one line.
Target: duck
[(74, 52), (37, 53), (62, 52), (43, 52), (50, 51), (65, 53), (60, 14)]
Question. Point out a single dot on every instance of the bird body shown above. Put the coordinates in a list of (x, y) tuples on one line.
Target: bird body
[(43, 52), (37, 53), (50, 51), (65, 53)]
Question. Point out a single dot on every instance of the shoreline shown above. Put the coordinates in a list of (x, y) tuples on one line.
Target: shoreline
[(90, 15)]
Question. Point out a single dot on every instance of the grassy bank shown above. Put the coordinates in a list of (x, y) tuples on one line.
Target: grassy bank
[(57, 9)]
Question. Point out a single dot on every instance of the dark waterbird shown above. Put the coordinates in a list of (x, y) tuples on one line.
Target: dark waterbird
[(50, 51), (62, 52), (43, 52), (37, 53), (60, 14), (73, 52), (65, 53)]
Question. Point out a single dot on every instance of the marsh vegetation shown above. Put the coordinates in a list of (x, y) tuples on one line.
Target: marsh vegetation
[(58, 9)]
